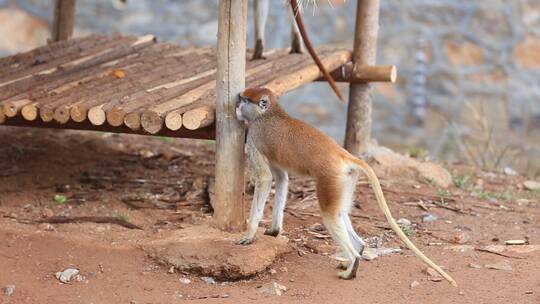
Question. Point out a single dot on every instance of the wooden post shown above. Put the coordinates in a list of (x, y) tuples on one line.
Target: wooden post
[(357, 134), (64, 20), (230, 133)]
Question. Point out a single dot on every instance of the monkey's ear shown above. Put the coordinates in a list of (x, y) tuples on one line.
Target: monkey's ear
[(264, 102)]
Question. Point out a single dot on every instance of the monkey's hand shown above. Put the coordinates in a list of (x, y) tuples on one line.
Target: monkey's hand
[(245, 241)]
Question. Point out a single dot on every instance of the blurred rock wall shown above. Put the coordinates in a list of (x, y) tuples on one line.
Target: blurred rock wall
[(453, 56)]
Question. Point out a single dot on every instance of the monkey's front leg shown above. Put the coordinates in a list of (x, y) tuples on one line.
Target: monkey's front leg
[(260, 12), (282, 184), (263, 184)]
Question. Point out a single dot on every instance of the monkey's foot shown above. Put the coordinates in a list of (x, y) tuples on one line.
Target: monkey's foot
[(343, 265), (350, 273), (258, 51), (272, 232), (245, 241)]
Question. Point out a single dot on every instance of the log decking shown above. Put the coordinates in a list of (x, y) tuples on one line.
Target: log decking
[(129, 84)]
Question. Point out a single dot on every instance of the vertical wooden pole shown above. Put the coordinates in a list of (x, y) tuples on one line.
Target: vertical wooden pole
[(64, 20), (357, 134), (230, 133)]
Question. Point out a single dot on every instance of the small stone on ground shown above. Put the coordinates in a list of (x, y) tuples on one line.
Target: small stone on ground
[(428, 217), (66, 275), (414, 284), (403, 222), (502, 265), (532, 185), (9, 290), (272, 289), (373, 253), (184, 280), (475, 266), (208, 280)]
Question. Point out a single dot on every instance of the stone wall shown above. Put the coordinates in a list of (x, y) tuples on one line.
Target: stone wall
[(471, 54)]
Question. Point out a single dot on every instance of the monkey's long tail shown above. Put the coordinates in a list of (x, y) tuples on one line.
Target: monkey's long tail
[(374, 181), (311, 50)]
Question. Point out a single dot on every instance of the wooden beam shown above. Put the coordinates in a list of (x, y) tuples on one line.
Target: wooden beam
[(203, 133), (357, 134), (230, 133), (64, 20), (363, 74)]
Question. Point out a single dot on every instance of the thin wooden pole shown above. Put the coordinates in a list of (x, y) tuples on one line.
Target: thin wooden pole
[(230, 133), (64, 20), (357, 134)]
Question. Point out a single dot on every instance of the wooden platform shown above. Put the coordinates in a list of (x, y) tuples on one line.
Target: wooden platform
[(134, 84)]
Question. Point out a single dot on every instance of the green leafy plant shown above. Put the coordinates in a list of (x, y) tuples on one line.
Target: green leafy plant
[(462, 181), (60, 199), (443, 193)]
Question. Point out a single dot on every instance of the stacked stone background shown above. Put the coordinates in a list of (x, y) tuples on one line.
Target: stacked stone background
[(480, 54)]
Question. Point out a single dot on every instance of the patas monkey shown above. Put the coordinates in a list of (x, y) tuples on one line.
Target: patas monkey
[(277, 144)]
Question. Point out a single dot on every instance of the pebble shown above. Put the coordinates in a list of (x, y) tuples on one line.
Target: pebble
[(184, 280), (66, 275), (414, 284), (531, 185), (208, 280), (273, 271), (403, 222), (515, 242), (476, 266), (272, 289), (373, 253), (9, 290), (502, 265), (428, 217), (47, 212), (171, 269), (461, 238), (509, 171)]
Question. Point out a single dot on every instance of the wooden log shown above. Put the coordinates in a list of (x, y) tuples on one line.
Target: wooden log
[(198, 118), (38, 71), (230, 133), (129, 112), (71, 80), (294, 74), (204, 133), (41, 55), (293, 80), (117, 111), (152, 120), (363, 74), (173, 121), (64, 20), (95, 56), (79, 110), (30, 112), (357, 133), (192, 61)]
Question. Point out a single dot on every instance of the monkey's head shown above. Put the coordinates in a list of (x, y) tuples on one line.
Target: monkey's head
[(254, 102)]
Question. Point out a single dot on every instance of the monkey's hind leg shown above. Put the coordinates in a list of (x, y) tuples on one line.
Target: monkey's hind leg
[(333, 208), (260, 13), (338, 230), (282, 183)]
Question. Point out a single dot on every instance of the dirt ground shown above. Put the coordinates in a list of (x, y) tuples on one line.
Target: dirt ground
[(161, 185)]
